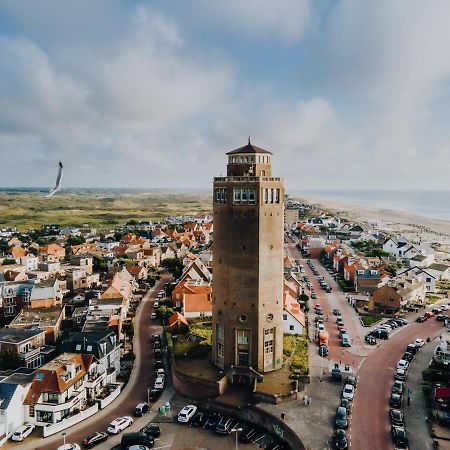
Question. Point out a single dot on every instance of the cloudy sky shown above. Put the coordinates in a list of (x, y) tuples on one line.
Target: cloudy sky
[(347, 94)]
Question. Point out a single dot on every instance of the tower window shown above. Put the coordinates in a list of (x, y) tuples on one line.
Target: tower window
[(244, 196), (243, 318), (221, 195)]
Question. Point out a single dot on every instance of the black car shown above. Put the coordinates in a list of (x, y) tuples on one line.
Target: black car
[(158, 353), (158, 364), (154, 394), (396, 417), (156, 337), (408, 356), (224, 426), (399, 437), (340, 440), (421, 319), (351, 380), (395, 400), (156, 344), (345, 402), (411, 348), (340, 420), (91, 440), (370, 339), (436, 310), (246, 436), (441, 317), (152, 430)]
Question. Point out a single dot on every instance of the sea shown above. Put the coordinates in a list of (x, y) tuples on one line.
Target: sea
[(431, 204)]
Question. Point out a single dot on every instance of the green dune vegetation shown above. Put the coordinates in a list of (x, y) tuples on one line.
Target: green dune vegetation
[(102, 210)]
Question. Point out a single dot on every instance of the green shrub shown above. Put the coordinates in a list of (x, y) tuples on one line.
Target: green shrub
[(169, 342)]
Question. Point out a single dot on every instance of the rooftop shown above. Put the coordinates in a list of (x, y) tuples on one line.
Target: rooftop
[(17, 335), (41, 316), (249, 148)]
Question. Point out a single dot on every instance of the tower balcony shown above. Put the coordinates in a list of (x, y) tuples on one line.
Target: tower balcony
[(246, 179)]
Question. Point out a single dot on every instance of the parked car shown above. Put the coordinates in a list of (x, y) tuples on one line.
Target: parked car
[(345, 402), (441, 317), (399, 437), (159, 383), (348, 392), (351, 380), (396, 417), (340, 440), (340, 420), (119, 424), (436, 310), (152, 430), (411, 348), (398, 387), (186, 414), (320, 326), (339, 321), (154, 394), (336, 312), (69, 446), (421, 319), (370, 339), (395, 400), (153, 316), (22, 432), (403, 364), (141, 409), (136, 439), (212, 420), (419, 343), (428, 314), (323, 350), (400, 375), (408, 356), (224, 426), (156, 304), (91, 440)]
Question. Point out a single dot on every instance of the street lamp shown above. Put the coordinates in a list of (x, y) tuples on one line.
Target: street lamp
[(148, 396), (236, 430), (64, 439)]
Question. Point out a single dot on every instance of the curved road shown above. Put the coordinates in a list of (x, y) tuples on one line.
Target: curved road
[(134, 392)]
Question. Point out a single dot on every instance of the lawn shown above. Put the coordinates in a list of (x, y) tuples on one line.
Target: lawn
[(202, 329), (368, 321), (103, 210), (298, 346)]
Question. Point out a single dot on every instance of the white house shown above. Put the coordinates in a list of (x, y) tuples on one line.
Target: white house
[(293, 316), (11, 407), (30, 262), (440, 271)]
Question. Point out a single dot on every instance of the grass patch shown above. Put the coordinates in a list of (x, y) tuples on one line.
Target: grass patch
[(202, 329), (368, 321), (297, 344), (431, 299)]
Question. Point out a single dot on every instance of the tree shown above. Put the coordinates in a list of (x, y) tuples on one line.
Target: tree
[(173, 265), (99, 263), (75, 240), (8, 261), (9, 359), (165, 311)]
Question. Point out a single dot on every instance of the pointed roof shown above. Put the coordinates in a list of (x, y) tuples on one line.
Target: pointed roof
[(249, 148)]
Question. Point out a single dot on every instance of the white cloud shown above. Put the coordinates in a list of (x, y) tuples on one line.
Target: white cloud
[(287, 20)]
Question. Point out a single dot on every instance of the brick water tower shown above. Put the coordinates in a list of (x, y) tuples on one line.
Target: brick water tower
[(248, 266)]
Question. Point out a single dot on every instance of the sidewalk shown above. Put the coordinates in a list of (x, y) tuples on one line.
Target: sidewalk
[(415, 414)]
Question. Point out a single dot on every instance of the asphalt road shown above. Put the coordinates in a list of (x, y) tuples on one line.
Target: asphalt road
[(134, 392), (370, 426)]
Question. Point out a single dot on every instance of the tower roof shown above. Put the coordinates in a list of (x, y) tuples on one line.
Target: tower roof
[(249, 148)]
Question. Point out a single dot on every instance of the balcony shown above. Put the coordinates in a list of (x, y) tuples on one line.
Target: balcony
[(34, 352), (246, 179), (94, 379)]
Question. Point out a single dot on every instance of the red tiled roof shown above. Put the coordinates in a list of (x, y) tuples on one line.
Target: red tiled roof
[(175, 318)]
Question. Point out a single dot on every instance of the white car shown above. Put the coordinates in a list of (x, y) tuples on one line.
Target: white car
[(156, 304), (419, 343), (320, 326), (348, 392), (119, 424), (153, 316), (186, 413), (403, 364), (22, 432), (444, 307), (159, 383), (69, 447)]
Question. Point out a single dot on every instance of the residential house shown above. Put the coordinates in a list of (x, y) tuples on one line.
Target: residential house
[(17, 252), (57, 251), (421, 261), (196, 272), (30, 262), (138, 272), (45, 294), (195, 299), (385, 299), (83, 261), (26, 344), (153, 256), (12, 395), (13, 297), (367, 280), (106, 349), (440, 271), (167, 252), (47, 319), (77, 278), (58, 389), (293, 316)]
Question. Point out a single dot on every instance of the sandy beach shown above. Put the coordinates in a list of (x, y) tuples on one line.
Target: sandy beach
[(415, 227)]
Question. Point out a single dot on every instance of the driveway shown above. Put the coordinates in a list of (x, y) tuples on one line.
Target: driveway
[(134, 392)]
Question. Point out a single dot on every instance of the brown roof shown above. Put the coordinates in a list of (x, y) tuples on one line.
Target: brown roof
[(49, 377), (249, 148), (18, 251), (134, 270), (175, 318), (197, 303)]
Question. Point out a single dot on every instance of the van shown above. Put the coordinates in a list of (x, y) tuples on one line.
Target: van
[(323, 338), (141, 409), (137, 438)]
